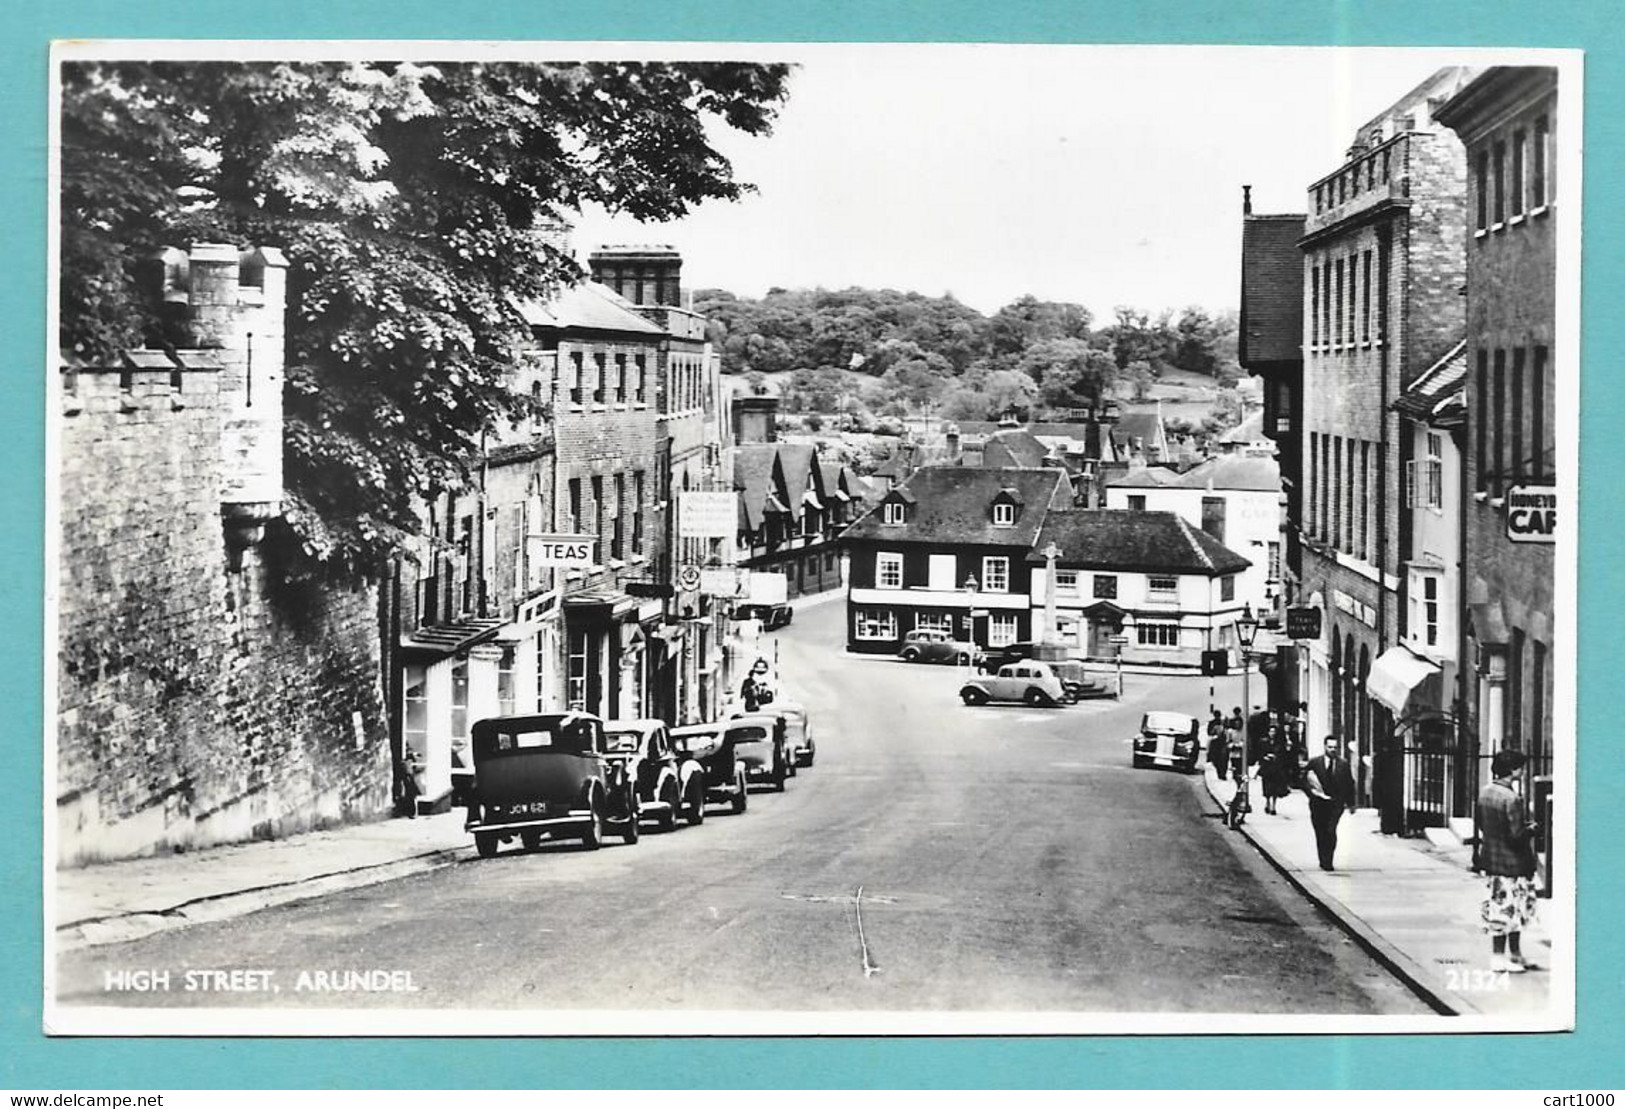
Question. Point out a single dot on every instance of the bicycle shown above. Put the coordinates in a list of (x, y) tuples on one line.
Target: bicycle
[(1240, 803)]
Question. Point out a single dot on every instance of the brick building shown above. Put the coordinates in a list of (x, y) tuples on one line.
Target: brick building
[(1383, 270), (202, 697), (1508, 120), (692, 434)]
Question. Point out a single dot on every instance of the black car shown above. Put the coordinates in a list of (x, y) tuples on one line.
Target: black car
[(997, 657), (771, 616)]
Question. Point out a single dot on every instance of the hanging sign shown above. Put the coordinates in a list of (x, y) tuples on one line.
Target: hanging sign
[(723, 582), (707, 515), (1531, 513)]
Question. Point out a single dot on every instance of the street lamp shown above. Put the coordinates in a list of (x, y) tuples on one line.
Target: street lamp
[(1246, 633)]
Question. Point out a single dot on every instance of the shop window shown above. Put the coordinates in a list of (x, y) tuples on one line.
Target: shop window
[(415, 710), (876, 625), (505, 682), (934, 622)]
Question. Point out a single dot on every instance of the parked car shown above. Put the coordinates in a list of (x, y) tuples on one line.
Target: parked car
[(799, 745), (771, 615), (927, 645), (1168, 739), (1032, 682), (798, 732), (759, 743), (1005, 654), (712, 747), (669, 785), (547, 775)]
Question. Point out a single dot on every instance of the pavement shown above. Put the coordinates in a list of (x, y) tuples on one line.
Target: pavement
[(1412, 903)]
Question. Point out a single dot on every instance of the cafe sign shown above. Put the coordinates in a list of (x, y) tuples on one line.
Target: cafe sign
[(1531, 513)]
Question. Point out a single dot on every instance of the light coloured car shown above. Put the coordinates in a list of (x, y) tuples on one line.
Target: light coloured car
[(1032, 682), (1168, 739)]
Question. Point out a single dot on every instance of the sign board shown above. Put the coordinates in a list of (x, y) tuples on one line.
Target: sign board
[(1531, 513), (766, 588), (688, 576), (720, 582), (1303, 622), (707, 515), (560, 550)]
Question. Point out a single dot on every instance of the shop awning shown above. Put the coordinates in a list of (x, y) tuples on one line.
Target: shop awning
[(455, 637), (1396, 676)]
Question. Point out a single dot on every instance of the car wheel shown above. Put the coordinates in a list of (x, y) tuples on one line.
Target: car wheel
[(630, 832), (592, 837), (741, 794), (1141, 763), (668, 818), (485, 843), (1037, 698), (973, 696), (696, 800), (910, 654), (531, 838)]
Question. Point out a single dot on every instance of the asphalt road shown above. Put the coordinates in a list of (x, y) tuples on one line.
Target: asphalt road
[(937, 857)]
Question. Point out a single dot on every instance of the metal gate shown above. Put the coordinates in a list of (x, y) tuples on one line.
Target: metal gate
[(1429, 772)]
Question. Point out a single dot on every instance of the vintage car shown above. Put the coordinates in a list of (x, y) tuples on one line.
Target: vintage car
[(929, 645), (670, 785), (712, 747), (772, 616), (1005, 654), (1032, 682), (758, 740), (547, 775), (1168, 739), (798, 733)]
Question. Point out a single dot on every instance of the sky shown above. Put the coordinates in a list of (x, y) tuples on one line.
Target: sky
[(1094, 175)]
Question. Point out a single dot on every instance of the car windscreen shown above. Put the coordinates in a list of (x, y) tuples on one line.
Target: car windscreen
[(748, 734)]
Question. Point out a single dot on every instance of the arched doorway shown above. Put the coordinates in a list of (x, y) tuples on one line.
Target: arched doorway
[(1336, 686), (1363, 708)]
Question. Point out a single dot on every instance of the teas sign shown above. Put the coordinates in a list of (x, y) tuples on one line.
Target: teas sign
[(1303, 622), (1531, 513), (561, 550)]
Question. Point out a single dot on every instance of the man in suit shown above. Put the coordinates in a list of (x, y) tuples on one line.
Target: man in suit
[(1330, 785)]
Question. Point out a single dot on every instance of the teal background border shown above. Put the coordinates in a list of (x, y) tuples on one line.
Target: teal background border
[(1589, 1058)]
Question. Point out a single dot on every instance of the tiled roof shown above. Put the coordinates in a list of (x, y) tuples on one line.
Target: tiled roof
[(753, 477), (954, 505), (1013, 446), (1250, 430), (589, 307), (1144, 542), (1271, 324), (1438, 395), (1147, 477), (1233, 471)]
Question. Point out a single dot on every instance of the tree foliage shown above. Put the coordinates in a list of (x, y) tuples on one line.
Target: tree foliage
[(407, 199)]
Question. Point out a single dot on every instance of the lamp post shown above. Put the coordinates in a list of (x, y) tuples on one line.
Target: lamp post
[(970, 587), (1246, 632)]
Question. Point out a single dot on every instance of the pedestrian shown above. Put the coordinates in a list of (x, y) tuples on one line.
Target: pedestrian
[(1218, 753), (1330, 785), (1504, 851), (1273, 771), (1234, 741)]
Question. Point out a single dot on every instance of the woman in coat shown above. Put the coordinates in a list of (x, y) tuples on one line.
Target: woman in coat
[(1506, 856), (1274, 768)]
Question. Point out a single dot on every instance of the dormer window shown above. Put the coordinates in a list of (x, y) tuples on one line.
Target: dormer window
[(1004, 515), (893, 512)]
